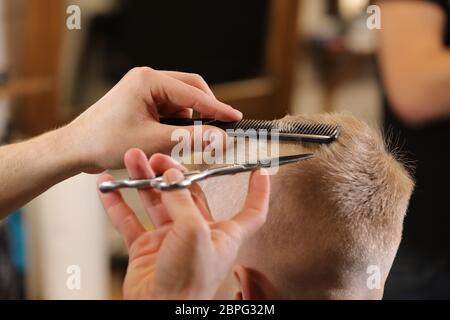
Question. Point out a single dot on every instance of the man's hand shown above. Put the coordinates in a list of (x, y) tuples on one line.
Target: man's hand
[(188, 255), (128, 116)]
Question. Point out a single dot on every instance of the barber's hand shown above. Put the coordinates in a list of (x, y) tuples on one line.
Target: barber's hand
[(128, 116), (188, 255)]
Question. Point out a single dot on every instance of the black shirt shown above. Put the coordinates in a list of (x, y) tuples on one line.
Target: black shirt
[(426, 236)]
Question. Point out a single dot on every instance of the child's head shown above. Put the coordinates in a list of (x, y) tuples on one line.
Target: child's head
[(334, 221)]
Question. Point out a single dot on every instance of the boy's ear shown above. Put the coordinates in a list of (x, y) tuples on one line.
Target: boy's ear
[(249, 284)]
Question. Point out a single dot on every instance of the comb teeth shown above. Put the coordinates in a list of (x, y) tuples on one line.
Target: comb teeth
[(293, 130), (255, 124)]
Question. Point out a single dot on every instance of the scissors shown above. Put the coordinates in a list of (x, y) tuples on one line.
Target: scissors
[(194, 176)]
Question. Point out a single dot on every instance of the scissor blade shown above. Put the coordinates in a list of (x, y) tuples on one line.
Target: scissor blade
[(278, 161), (294, 158)]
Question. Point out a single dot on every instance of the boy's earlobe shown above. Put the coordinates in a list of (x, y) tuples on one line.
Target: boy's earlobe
[(249, 284), (239, 280)]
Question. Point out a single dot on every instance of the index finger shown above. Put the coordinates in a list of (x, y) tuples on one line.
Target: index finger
[(122, 217), (182, 95), (138, 168), (191, 79)]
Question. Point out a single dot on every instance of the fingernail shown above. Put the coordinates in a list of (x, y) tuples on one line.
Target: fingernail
[(238, 113), (178, 165), (173, 175)]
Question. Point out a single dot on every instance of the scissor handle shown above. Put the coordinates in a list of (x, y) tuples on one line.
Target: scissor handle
[(156, 183), (109, 186)]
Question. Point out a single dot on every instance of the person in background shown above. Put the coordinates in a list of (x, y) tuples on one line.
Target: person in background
[(414, 58)]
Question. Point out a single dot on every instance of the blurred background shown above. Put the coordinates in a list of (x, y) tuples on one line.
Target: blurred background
[(265, 57)]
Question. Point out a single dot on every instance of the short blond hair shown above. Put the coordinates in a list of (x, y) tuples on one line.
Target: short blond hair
[(347, 203), (344, 207)]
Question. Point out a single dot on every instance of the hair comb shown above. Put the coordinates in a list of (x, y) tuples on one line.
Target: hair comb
[(288, 130)]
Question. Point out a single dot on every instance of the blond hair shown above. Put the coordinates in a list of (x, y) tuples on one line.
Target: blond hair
[(330, 217), (347, 204)]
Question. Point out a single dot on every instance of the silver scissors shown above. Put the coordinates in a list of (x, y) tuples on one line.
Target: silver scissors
[(194, 176)]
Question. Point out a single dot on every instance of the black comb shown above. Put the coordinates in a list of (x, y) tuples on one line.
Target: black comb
[(288, 130)]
